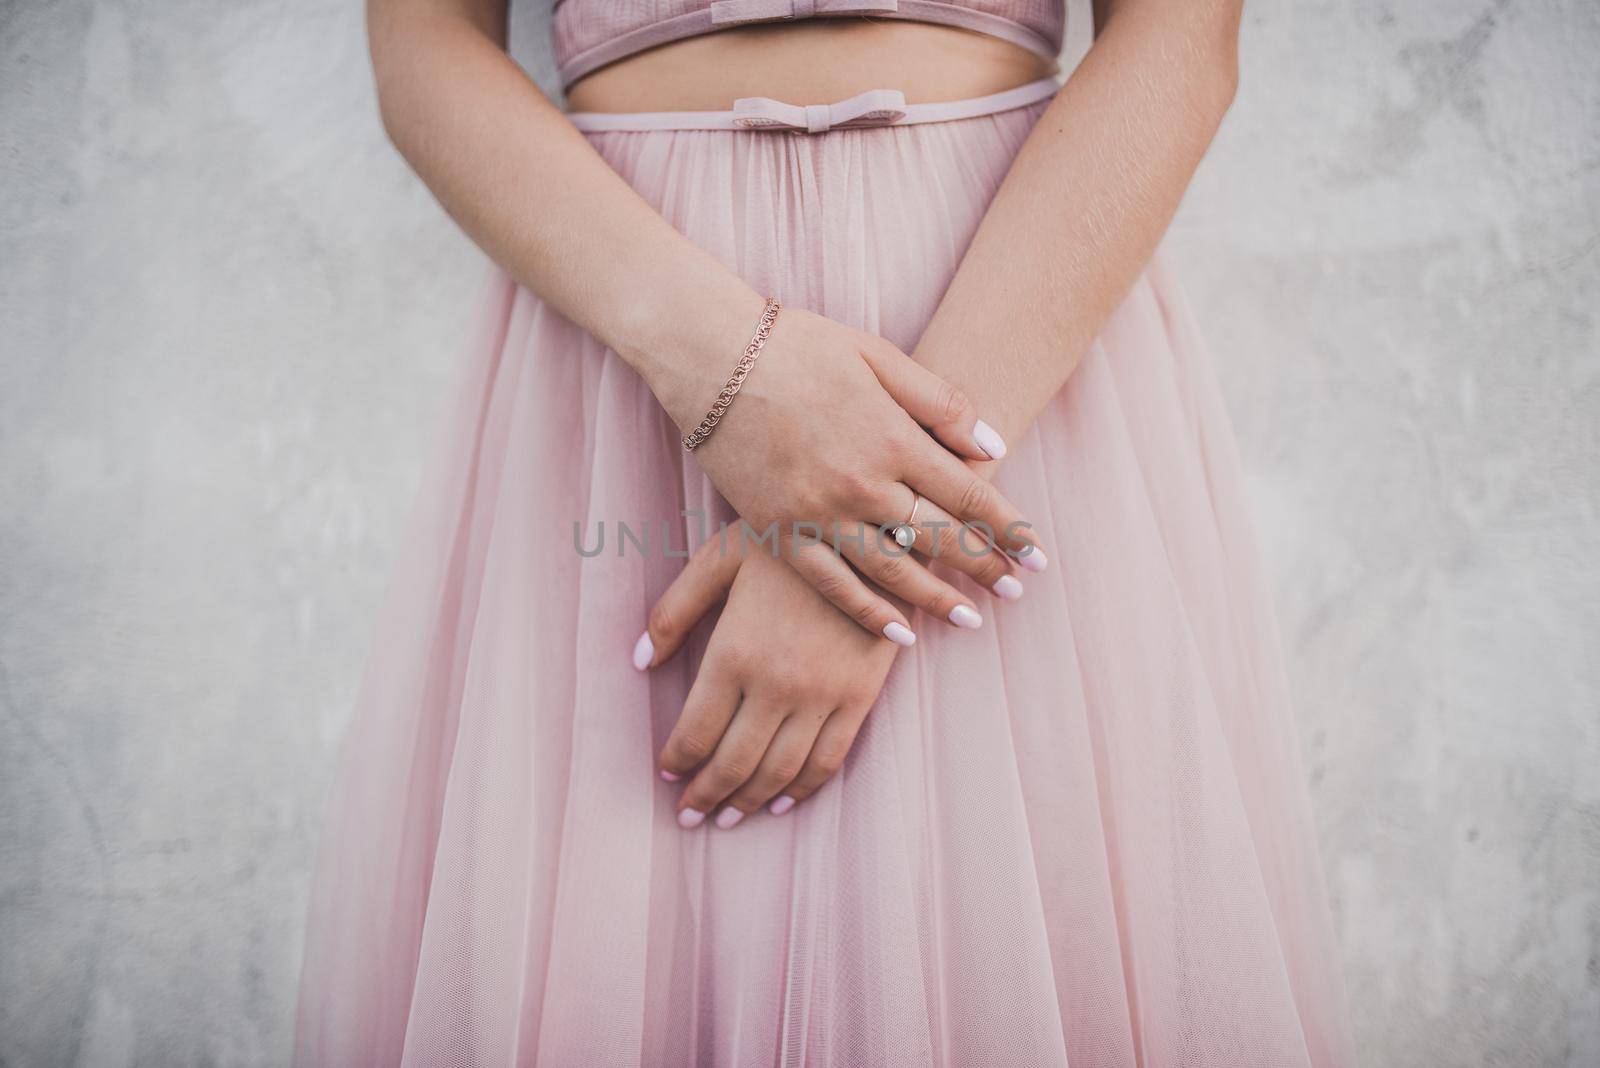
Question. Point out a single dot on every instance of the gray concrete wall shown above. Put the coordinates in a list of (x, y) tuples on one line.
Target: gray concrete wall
[(227, 313)]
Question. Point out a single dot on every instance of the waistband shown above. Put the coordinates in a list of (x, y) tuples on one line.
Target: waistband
[(876, 107)]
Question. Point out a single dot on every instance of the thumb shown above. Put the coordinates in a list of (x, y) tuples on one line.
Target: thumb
[(700, 586)]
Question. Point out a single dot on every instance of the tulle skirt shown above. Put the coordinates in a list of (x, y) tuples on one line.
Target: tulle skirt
[(1077, 836)]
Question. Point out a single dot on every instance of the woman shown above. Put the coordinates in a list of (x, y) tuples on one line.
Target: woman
[(1072, 828)]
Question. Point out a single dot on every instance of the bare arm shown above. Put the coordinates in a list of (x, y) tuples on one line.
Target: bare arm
[(531, 191), (826, 437), (1084, 204), (1077, 217)]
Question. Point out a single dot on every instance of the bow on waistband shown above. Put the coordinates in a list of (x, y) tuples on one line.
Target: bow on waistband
[(875, 107), (734, 12)]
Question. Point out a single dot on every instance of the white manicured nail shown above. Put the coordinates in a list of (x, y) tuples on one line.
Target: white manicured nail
[(965, 618), (1034, 560), (729, 818), (643, 651), (668, 776), (781, 805), (690, 818), (1007, 588), (899, 634), (993, 445)]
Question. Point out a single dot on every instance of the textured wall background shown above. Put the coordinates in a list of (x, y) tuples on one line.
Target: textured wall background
[(227, 313)]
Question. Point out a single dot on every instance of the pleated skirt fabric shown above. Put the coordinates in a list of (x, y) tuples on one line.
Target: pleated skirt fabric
[(1079, 836)]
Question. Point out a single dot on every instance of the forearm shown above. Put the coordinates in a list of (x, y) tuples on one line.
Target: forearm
[(530, 190), (1083, 206)]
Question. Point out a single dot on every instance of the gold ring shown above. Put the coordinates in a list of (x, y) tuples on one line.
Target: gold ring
[(905, 534)]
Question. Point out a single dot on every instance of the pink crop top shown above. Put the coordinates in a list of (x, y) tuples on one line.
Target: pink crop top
[(591, 33)]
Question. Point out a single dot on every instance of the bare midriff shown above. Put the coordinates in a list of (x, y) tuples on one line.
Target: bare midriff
[(816, 62)]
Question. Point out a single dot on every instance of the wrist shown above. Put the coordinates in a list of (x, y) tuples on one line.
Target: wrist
[(684, 335)]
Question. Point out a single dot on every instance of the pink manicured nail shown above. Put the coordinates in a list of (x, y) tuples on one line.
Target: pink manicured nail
[(899, 634), (781, 805), (1034, 560), (1007, 588), (690, 818), (644, 650), (729, 818), (993, 445), (965, 618), (669, 776)]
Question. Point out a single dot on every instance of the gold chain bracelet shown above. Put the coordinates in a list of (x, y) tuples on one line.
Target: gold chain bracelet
[(741, 371)]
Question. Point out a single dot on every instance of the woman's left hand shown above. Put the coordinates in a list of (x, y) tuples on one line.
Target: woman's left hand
[(785, 684)]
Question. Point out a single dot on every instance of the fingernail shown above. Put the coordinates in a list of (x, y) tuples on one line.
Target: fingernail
[(690, 818), (781, 805), (899, 634), (965, 618), (669, 776), (729, 818), (643, 651), (1008, 588), (1033, 559), (993, 445)]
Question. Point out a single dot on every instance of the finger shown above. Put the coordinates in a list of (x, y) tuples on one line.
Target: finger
[(702, 584), (974, 501), (710, 706), (832, 577), (941, 538), (946, 411), (877, 557), (784, 758), (736, 758), (827, 756)]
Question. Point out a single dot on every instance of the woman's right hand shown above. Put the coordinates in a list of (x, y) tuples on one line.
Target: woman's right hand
[(826, 445)]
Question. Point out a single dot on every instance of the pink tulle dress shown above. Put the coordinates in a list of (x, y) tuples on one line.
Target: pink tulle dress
[(1079, 836)]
